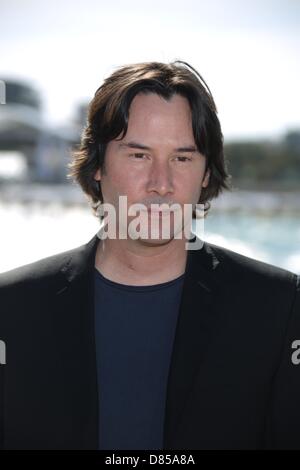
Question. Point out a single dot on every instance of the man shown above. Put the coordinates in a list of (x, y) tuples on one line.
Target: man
[(141, 341)]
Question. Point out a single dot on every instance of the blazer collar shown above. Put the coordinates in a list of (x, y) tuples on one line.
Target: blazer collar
[(201, 264), (81, 259)]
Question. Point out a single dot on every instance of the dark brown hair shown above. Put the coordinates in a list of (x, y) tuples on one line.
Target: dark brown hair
[(108, 115)]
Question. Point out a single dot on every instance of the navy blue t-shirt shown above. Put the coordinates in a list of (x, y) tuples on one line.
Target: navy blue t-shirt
[(135, 329)]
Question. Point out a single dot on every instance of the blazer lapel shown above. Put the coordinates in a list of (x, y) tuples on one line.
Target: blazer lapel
[(198, 321), (75, 342)]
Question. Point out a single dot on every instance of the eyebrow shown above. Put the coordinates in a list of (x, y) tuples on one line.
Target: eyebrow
[(136, 145)]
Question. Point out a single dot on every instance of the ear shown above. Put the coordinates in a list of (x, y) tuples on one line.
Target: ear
[(97, 175), (206, 179)]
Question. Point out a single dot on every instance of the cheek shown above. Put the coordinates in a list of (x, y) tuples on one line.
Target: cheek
[(121, 181), (190, 183)]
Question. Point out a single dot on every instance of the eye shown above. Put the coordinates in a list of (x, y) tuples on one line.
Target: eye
[(184, 159), (137, 156)]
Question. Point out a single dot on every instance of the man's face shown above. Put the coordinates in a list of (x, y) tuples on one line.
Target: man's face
[(157, 161)]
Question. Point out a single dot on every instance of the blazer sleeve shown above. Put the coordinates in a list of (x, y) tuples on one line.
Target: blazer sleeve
[(2, 406), (3, 309), (283, 420), (2, 371)]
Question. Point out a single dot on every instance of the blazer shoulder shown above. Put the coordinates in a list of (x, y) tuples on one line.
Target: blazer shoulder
[(38, 270), (248, 268)]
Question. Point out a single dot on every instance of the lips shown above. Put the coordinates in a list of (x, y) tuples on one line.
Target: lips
[(158, 211), (155, 207)]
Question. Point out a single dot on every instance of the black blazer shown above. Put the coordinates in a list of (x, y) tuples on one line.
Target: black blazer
[(232, 383)]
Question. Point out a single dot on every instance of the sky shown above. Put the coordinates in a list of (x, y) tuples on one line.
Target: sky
[(247, 52)]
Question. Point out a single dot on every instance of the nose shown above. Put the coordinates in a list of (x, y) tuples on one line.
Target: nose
[(160, 179)]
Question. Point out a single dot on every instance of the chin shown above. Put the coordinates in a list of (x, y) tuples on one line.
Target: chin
[(154, 241)]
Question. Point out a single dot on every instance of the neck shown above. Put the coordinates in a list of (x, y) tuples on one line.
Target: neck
[(134, 262)]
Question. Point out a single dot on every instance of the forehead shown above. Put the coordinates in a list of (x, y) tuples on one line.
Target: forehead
[(151, 114)]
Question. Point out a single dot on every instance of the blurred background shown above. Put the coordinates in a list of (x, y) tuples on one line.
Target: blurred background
[(55, 56)]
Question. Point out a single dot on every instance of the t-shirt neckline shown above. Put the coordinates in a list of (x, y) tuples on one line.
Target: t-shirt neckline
[(129, 287)]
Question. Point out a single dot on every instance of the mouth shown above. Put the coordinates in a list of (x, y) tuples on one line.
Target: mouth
[(160, 212)]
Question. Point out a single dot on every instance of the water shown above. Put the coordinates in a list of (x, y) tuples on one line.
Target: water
[(38, 228), (273, 238)]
